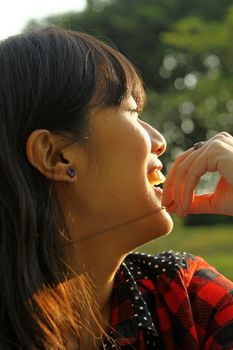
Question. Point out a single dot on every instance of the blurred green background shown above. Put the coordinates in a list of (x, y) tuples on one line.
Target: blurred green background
[(184, 52)]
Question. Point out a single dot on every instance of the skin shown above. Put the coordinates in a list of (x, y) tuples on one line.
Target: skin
[(216, 155), (110, 187)]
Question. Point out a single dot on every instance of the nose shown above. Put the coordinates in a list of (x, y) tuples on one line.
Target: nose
[(158, 142)]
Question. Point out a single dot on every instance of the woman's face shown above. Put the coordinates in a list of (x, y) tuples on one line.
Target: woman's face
[(115, 182)]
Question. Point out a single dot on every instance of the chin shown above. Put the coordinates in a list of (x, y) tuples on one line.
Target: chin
[(163, 226), (159, 225), (168, 227)]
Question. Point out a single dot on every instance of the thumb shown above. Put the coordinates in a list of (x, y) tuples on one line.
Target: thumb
[(202, 204)]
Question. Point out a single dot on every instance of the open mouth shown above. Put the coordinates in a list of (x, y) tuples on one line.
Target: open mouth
[(155, 177)]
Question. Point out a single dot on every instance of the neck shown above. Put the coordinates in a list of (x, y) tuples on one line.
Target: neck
[(100, 266), (99, 255)]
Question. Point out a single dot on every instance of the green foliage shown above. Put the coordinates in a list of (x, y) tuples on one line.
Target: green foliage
[(134, 26), (199, 100), (196, 35), (200, 37), (197, 113)]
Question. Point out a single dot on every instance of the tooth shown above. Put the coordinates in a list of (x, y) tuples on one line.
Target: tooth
[(156, 177)]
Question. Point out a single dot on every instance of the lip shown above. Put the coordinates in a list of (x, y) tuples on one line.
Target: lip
[(158, 190), (155, 165), (154, 174)]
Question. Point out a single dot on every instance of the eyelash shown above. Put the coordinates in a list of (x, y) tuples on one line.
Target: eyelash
[(135, 111)]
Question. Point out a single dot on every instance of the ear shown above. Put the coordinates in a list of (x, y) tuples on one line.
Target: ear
[(45, 152)]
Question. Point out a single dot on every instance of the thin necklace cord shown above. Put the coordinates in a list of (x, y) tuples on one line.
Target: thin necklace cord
[(152, 212)]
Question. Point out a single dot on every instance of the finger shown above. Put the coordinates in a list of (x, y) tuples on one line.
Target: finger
[(185, 173), (171, 208), (180, 183), (184, 169), (202, 204), (168, 186), (168, 194), (197, 169)]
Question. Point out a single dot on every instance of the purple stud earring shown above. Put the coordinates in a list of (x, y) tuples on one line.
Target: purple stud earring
[(71, 171)]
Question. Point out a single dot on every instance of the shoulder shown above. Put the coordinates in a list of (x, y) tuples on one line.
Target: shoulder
[(192, 270), (164, 263), (192, 291)]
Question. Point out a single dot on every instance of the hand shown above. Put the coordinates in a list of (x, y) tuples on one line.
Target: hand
[(216, 155)]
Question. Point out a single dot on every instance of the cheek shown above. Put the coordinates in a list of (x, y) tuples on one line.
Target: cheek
[(135, 135), (133, 153), (145, 139), (139, 143), (123, 148)]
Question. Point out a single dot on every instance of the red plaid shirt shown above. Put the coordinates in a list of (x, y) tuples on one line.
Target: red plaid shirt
[(172, 301)]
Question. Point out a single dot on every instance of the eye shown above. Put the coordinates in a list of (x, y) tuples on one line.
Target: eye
[(135, 111)]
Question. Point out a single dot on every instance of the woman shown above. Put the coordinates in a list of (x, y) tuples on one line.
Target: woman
[(78, 169)]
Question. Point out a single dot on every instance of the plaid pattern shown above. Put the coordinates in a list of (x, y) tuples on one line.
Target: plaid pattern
[(170, 301)]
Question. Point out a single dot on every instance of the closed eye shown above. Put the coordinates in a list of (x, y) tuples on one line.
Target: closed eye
[(136, 110)]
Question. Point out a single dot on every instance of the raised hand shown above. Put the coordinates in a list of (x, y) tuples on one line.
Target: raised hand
[(214, 155)]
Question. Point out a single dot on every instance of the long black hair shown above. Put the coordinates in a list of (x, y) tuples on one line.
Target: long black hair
[(50, 79)]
